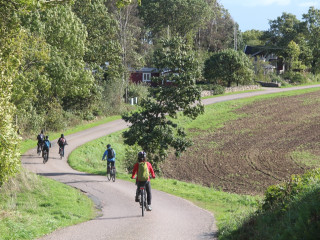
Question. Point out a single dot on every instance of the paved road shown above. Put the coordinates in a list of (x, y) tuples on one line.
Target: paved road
[(171, 217)]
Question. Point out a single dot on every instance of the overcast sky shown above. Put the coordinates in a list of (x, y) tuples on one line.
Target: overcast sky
[(255, 14)]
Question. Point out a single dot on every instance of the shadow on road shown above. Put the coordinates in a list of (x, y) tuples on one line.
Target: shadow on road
[(65, 173), (117, 218)]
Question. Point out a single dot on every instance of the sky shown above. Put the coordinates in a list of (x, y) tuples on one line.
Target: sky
[(255, 14)]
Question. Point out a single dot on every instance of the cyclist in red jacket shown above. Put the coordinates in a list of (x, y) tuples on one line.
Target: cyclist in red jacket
[(143, 178)]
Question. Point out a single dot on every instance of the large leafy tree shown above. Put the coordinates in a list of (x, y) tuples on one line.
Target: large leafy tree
[(253, 38), (217, 32), (71, 86), (10, 56), (229, 67), (312, 31), (178, 16), (151, 128)]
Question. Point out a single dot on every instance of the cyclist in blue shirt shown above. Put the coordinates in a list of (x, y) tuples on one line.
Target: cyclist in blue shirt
[(111, 157), (46, 145)]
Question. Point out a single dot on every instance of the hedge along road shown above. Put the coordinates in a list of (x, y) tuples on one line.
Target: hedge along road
[(171, 217)]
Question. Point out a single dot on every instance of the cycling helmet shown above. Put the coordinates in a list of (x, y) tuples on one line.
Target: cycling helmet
[(62, 135), (142, 155), (108, 145)]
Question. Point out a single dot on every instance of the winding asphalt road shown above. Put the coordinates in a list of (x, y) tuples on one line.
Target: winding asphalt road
[(171, 217)]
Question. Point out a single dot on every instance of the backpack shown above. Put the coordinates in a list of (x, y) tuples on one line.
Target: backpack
[(143, 172), (47, 143), (40, 137), (110, 153), (62, 141)]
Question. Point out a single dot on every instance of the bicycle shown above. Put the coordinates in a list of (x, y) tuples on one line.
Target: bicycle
[(61, 152), (111, 173), (45, 156)]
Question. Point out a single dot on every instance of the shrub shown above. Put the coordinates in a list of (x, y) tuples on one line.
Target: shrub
[(295, 77), (217, 89), (137, 90), (280, 195)]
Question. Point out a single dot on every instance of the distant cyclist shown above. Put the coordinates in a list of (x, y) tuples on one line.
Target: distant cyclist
[(40, 139), (143, 168), (111, 157), (46, 145), (62, 142)]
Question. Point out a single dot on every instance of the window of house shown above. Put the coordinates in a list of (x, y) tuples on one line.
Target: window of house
[(146, 77)]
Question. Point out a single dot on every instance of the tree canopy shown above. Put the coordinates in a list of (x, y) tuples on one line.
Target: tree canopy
[(229, 66)]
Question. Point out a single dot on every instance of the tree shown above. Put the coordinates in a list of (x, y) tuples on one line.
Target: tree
[(71, 85), (229, 67), (151, 128), (293, 52), (10, 56), (217, 32), (253, 38), (312, 31), (178, 16)]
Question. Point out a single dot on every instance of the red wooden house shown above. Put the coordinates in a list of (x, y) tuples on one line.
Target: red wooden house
[(144, 75)]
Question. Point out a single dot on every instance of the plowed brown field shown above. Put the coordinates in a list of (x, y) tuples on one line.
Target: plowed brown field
[(276, 138)]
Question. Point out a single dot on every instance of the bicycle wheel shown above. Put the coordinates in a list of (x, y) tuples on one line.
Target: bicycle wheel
[(45, 157), (113, 175), (39, 150), (143, 200), (109, 175), (61, 153)]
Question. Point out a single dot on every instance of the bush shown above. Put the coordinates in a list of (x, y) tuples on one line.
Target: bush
[(217, 89), (295, 77), (290, 211), (280, 195), (137, 90)]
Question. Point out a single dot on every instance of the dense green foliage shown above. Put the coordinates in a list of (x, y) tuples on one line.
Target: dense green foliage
[(229, 67), (289, 211), (150, 128)]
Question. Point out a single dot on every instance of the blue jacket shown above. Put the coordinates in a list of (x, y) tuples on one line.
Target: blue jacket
[(106, 155)]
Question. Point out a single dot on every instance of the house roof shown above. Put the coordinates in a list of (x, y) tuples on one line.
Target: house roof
[(145, 70), (254, 50)]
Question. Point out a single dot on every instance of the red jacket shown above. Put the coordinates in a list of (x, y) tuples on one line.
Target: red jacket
[(136, 167)]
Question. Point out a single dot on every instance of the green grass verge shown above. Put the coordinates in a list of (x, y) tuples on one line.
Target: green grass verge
[(231, 93), (32, 206)]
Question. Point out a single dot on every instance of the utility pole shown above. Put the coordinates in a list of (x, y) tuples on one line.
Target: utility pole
[(235, 35)]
